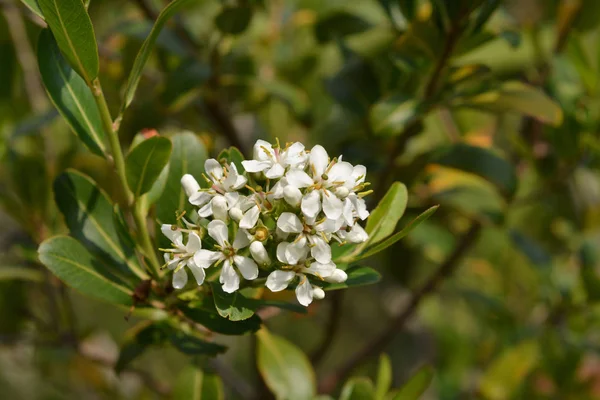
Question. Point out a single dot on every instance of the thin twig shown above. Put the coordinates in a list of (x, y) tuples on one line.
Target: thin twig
[(379, 343), (333, 325)]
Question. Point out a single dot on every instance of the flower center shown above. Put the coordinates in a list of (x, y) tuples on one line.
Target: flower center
[(261, 234), (229, 251)]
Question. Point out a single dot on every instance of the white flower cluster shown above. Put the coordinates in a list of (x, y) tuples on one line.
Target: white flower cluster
[(282, 215)]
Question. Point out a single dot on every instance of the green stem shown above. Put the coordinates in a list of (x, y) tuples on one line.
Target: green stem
[(119, 164)]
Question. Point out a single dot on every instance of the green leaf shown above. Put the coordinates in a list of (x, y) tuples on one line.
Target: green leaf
[(396, 236), (194, 384), (385, 216), (208, 317), (8, 273), (76, 266), (391, 116), (481, 162), (234, 20), (519, 98), (145, 162), (71, 25), (34, 7), (357, 276), (137, 340), (508, 372), (384, 377), (187, 157), (233, 306), (70, 94), (416, 386), (146, 49), (285, 368), (338, 24), (92, 220), (358, 388), (192, 345), (232, 155)]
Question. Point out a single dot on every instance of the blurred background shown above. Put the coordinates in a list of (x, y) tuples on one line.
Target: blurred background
[(490, 109)]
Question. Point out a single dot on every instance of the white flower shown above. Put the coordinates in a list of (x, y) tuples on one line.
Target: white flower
[(274, 161), (228, 253), (312, 235), (225, 181), (259, 253), (305, 292), (353, 234), (331, 186), (182, 255)]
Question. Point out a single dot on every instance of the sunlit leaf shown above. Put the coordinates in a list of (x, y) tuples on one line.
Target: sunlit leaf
[(385, 216), (211, 319), (416, 385), (34, 7), (357, 276), (384, 377), (196, 384), (145, 162), (357, 389)]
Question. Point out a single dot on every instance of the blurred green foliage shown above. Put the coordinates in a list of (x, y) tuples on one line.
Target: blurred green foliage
[(486, 108)]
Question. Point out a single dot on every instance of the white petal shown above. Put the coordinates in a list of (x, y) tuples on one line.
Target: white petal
[(242, 239), (250, 218), (205, 258), (338, 276), (180, 278), (296, 251), (289, 223), (190, 185), (219, 208), (247, 267), (218, 231), (233, 198), (172, 263), (175, 236), (340, 172), (198, 272), (236, 214), (359, 173), (304, 292), (299, 178), (332, 206), (318, 293), (281, 235), (213, 169), (347, 212), (279, 280), (311, 204), (256, 166), (357, 234), (320, 250), (194, 243), (259, 253), (263, 151), (321, 270), (234, 180), (319, 159), (206, 210), (281, 249), (292, 195), (277, 189), (229, 278), (360, 206), (276, 171), (294, 155), (200, 198)]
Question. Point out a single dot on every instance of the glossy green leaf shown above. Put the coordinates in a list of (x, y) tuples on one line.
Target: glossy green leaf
[(509, 370), (357, 276), (91, 219), (137, 340), (72, 263), (210, 318), (416, 385), (234, 20), (145, 162), (285, 368), (192, 345), (391, 116), (70, 94), (195, 384), (517, 97), (71, 26), (34, 7), (146, 49), (337, 24), (233, 306), (385, 216), (8, 273), (187, 157), (481, 162), (358, 388), (384, 377), (396, 236)]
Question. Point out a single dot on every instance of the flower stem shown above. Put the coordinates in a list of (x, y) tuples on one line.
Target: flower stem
[(119, 164)]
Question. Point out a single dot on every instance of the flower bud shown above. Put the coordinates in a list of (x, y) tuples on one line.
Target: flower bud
[(259, 253), (318, 293), (342, 192), (219, 208), (338, 276), (292, 195), (190, 185), (236, 214)]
